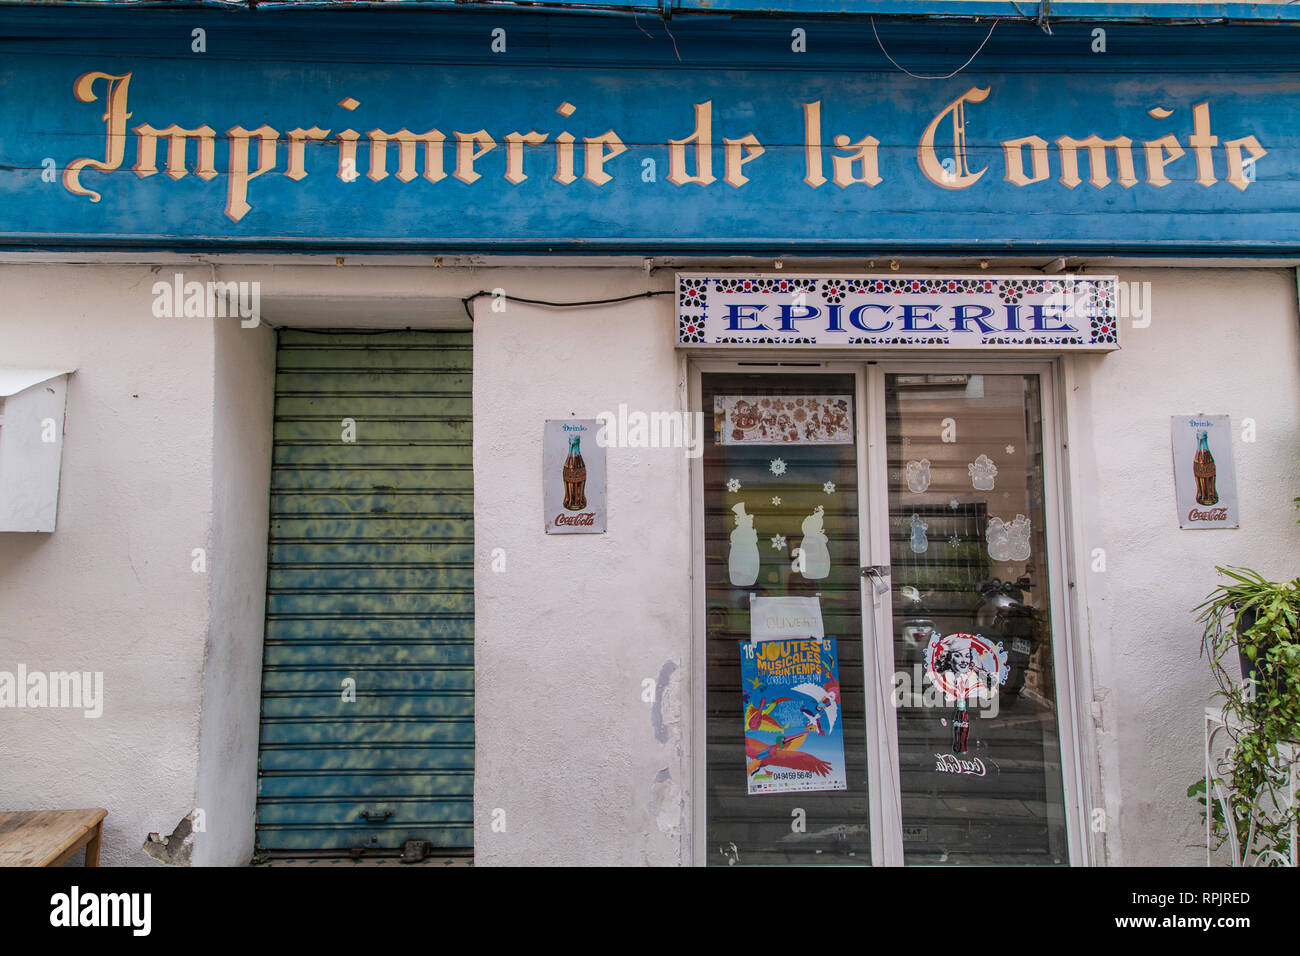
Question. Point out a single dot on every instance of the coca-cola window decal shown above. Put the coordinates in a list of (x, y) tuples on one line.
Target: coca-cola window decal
[(1204, 483), (965, 667), (573, 477), (794, 739), (784, 419)]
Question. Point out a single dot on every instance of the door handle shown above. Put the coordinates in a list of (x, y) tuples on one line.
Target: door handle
[(376, 816), (879, 575)]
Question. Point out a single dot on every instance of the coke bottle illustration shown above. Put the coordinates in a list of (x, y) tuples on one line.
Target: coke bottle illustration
[(960, 728), (1204, 470), (575, 476)]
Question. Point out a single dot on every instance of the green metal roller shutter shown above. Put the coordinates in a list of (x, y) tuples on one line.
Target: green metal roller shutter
[(370, 577)]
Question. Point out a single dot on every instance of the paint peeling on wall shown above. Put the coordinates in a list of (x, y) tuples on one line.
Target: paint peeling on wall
[(667, 799), (657, 708), (177, 847)]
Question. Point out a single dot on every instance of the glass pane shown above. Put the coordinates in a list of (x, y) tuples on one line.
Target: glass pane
[(979, 749), (783, 458)]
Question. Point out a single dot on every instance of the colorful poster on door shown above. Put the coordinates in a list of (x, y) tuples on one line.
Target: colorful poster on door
[(794, 730), (1204, 484), (784, 419)]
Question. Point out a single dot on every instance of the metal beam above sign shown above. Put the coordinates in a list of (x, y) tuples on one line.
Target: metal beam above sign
[(970, 312)]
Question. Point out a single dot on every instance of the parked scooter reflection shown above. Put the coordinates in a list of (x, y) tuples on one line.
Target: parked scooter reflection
[(1004, 615)]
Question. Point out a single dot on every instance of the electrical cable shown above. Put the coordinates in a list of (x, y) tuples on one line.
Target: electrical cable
[(559, 305), (946, 76)]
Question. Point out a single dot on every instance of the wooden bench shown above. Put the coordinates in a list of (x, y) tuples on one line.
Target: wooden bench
[(49, 837)]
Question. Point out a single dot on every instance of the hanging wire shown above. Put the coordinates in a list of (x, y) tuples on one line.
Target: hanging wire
[(946, 76)]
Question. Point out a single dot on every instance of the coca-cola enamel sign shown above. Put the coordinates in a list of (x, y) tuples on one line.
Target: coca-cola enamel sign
[(573, 477), (1205, 486), (969, 312)]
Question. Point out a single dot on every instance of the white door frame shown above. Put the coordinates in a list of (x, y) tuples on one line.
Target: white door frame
[(883, 786)]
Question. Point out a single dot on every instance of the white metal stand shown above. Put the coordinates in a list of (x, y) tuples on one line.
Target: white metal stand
[(1289, 759)]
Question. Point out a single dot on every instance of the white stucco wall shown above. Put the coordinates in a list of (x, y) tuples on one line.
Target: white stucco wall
[(1139, 640), (244, 378), (111, 589), (573, 766), (579, 767), (1220, 342)]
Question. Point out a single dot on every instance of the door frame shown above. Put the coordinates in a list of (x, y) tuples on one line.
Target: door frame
[(884, 793)]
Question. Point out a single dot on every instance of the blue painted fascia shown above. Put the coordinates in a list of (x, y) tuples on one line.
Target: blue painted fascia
[(1039, 12)]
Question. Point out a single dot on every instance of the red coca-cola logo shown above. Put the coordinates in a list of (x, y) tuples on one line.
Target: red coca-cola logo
[(1214, 514), (587, 518)]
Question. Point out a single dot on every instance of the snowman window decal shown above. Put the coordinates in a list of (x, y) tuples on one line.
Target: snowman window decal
[(918, 475), (982, 472), (1008, 541), (918, 542), (742, 558), (816, 555)]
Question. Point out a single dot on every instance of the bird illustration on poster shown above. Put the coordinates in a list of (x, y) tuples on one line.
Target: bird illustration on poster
[(824, 708)]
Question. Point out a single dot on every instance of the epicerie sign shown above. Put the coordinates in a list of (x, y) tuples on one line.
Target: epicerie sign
[(1015, 313)]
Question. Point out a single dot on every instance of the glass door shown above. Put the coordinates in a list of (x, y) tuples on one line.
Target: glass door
[(786, 764), (935, 728), (975, 675)]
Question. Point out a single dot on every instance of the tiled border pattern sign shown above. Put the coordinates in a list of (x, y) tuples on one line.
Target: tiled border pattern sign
[(984, 313)]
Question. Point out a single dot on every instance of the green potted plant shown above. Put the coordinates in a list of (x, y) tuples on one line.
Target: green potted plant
[(1259, 620)]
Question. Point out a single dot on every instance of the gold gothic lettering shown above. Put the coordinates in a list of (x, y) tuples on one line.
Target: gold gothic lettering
[(406, 147), (1098, 174), (237, 188), (146, 162), (959, 176), (1027, 159), (114, 119), (703, 140)]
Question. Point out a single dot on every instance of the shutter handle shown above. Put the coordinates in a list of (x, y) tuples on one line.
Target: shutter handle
[(376, 816)]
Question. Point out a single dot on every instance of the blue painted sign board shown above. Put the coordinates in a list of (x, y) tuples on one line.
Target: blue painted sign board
[(431, 132)]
